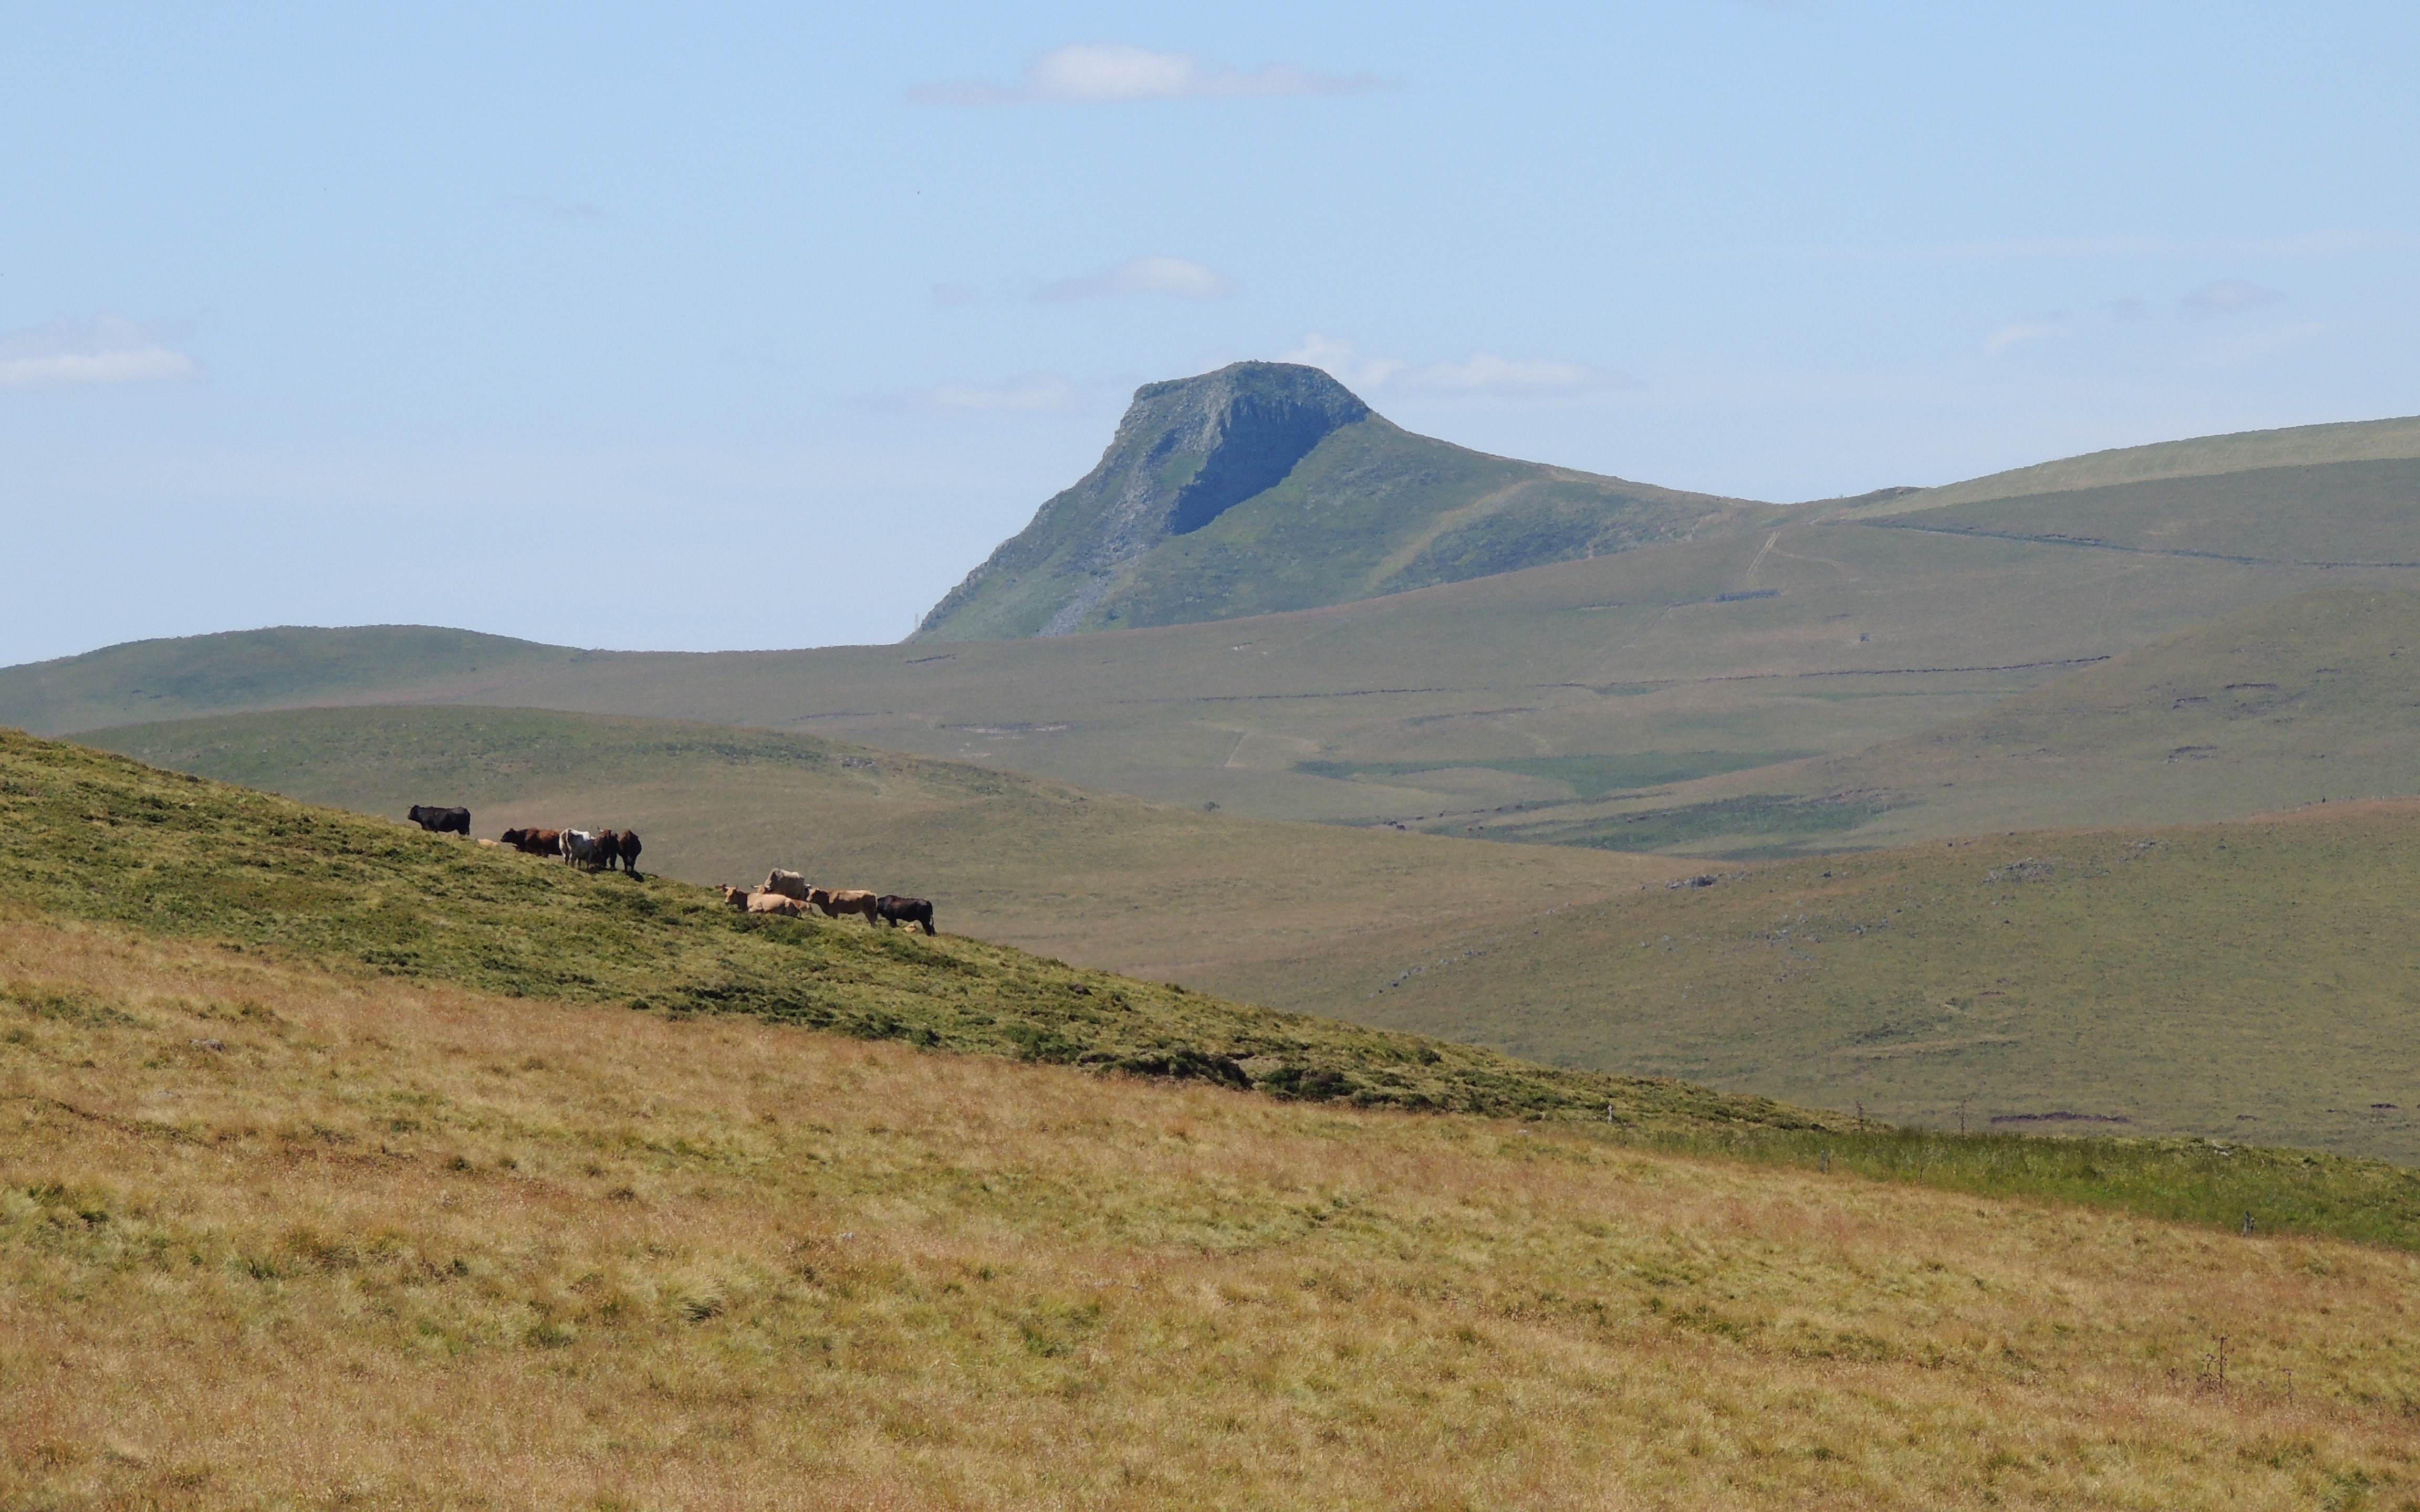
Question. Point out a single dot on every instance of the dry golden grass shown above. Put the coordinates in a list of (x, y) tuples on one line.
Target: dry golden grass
[(389, 1244)]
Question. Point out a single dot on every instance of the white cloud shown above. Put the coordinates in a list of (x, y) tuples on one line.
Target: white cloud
[(1180, 276), (1480, 375), (1033, 393), (2025, 332), (106, 349), (2229, 295), (1090, 73)]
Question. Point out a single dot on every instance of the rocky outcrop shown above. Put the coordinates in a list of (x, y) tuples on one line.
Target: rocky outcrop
[(1186, 452)]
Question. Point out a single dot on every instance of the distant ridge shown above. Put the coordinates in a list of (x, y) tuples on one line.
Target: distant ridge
[(2202, 457), (1266, 486), (282, 667)]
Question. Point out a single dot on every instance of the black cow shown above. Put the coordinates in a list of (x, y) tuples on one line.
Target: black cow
[(442, 821), (629, 848), (895, 910)]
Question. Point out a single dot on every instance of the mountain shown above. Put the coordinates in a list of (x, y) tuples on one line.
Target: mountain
[(1266, 486)]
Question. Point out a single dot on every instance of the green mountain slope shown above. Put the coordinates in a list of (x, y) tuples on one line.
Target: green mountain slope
[(1265, 487)]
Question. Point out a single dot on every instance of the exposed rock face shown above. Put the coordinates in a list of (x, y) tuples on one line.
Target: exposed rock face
[(1186, 452)]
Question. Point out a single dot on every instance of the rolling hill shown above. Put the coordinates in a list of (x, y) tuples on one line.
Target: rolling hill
[(2162, 979), (1266, 486)]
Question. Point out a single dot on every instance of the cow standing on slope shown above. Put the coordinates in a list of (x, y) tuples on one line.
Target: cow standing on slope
[(442, 821)]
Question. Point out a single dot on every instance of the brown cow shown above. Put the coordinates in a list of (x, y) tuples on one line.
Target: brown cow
[(788, 884), (736, 897), (847, 900), (630, 853), (534, 841)]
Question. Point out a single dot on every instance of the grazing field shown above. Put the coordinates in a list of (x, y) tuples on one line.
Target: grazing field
[(275, 1236), (1099, 878), (89, 836)]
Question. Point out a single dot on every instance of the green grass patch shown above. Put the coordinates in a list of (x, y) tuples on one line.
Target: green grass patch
[(1781, 822), (2185, 1180), (1590, 777)]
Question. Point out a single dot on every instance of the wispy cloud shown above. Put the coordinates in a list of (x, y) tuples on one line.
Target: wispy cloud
[(1032, 394), (2229, 296), (1180, 276), (2024, 333), (105, 348), (1096, 73), (1482, 375)]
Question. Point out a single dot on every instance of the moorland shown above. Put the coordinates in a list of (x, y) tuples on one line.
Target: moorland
[(342, 1163)]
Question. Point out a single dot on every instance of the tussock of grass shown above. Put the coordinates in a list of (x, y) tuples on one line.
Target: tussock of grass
[(396, 1243), (88, 835)]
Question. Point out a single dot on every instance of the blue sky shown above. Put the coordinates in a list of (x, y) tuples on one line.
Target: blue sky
[(707, 327)]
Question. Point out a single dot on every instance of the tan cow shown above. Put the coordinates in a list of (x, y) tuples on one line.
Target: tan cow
[(775, 902), (847, 900), (788, 884), (735, 897)]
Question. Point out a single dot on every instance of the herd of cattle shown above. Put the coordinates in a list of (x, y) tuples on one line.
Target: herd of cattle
[(787, 894), (783, 892)]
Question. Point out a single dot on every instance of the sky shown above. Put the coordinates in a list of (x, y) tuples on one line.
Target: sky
[(722, 326)]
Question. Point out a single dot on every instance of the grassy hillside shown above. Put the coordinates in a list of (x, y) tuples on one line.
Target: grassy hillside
[(1098, 878), (1266, 486), (2340, 514), (272, 669), (271, 1237), (2190, 997), (2203, 457), (2268, 708), (89, 835), (2253, 982)]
